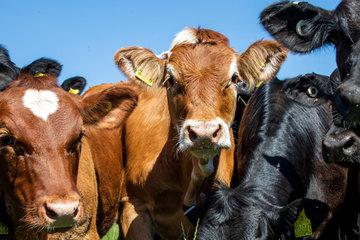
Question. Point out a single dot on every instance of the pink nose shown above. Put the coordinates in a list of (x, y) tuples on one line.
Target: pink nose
[(204, 132), (60, 210)]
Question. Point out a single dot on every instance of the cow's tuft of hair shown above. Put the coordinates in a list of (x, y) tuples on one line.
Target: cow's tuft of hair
[(45, 66), (198, 36)]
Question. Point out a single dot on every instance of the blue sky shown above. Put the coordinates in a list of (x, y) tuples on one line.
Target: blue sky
[(83, 35)]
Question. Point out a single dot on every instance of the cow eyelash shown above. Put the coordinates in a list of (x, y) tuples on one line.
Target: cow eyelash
[(73, 147)]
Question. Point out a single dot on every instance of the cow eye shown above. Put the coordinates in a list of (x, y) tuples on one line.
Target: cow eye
[(312, 91), (7, 140), (75, 145)]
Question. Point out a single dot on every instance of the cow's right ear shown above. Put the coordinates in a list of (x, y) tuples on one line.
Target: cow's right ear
[(299, 26), (109, 107), (74, 85), (8, 70), (141, 65)]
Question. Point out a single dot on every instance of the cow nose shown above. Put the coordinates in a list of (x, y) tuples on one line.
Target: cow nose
[(203, 132), (62, 213), (340, 146)]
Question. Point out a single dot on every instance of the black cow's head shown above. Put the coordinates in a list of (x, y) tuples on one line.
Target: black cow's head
[(302, 27), (280, 164)]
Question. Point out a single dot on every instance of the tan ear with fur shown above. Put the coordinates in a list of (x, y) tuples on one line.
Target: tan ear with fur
[(261, 62), (141, 65), (109, 107)]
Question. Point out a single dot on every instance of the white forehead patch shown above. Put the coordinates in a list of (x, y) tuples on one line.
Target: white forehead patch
[(186, 36), (42, 103), (233, 67)]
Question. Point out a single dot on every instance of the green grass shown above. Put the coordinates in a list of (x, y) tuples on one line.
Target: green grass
[(113, 233)]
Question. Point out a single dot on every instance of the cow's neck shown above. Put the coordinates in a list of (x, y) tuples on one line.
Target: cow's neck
[(194, 170)]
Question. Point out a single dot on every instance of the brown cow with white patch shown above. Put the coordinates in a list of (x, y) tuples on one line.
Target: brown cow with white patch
[(182, 124), (47, 173)]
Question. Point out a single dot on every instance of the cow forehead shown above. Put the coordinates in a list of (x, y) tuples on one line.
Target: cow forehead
[(204, 59), (47, 114)]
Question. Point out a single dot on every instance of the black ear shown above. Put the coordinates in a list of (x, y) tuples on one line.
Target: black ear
[(75, 85), (288, 215), (8, 70), (299, 26), (43, 66)]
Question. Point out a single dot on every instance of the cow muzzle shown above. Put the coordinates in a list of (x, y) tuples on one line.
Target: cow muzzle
[(341, 146), (204, 139), (60, 214)]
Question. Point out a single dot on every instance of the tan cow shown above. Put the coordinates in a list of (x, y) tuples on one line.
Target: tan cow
[(181, 125), (48, 153)]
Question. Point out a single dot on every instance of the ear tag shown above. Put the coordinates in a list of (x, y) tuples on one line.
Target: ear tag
[(39, 74), (259, 84), (74, 91), (140, 76), (4, 230), (302, 225), (108, 106)]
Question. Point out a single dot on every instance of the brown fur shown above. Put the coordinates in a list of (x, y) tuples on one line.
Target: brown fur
[(160, 177), (46, 160)]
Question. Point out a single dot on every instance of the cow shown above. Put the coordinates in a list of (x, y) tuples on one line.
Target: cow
[(48, 182), (280, 165), (179, 133), (302, 27)]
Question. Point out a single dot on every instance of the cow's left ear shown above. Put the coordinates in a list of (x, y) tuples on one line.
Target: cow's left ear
[(110, 107), (299, 26), (261, 62)]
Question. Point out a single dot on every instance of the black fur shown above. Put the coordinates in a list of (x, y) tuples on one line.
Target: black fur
[(77, 82), (43, 65), (281, 145), (8, 70)]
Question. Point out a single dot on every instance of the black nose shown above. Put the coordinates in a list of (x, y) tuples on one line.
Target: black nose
[(341, 147), (243, 88)]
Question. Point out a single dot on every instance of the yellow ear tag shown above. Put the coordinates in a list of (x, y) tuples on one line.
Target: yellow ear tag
[(302, 225), (4, 230), (259, 84), (140, 76), (108, 106), (74, 91), (39, 74)]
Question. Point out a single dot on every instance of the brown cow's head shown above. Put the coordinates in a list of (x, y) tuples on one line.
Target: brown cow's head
[(41, 131), (200, 73)]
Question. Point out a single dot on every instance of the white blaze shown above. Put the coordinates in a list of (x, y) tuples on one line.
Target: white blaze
[(186, 36), (42, 103)]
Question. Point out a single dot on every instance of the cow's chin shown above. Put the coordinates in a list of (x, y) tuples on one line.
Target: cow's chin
[(204, 154)]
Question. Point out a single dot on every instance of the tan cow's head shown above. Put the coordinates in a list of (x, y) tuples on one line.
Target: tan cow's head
[(41, 131), (202, 73)]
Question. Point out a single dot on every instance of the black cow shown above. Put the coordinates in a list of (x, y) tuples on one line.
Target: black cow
[(302, 27), (281, 168)]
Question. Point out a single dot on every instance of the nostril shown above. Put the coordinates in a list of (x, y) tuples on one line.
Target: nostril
[(216, 133), (348, 144), (50, 213), (192, 135)]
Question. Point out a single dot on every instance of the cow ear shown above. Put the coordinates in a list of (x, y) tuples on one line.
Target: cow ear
[(261, 62), (109, 107), (74, 85), (8, 70), (141, 65), (299, 26)]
